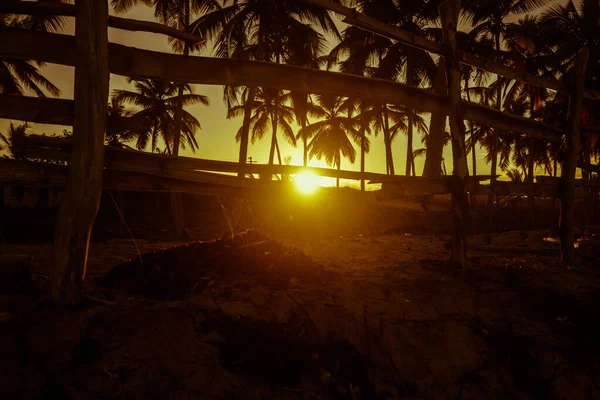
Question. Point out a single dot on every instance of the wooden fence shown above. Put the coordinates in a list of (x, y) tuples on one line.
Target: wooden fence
[(94, 58)]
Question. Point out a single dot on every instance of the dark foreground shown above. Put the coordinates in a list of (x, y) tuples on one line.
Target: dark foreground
[(351, 317)]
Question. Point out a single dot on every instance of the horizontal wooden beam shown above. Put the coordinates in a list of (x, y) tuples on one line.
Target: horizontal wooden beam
[(550, 180), (55, 112), (68, 10), (57, 149), (44, 175), (516, 189), (402, 179), (136, 63), (353, 17), (590, 167)]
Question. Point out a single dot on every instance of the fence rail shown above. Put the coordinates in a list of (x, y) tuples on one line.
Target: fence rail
[(68, 10), (137, 63)]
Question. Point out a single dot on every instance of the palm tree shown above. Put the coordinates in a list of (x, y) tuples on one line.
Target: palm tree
[(408, 123), (300, 103), (157, 101), (394, 60), (117, 137), (569, 28), (478, 46), (10, 142), (280, 31), (530, 51), (333, 134), (17, 77), (423, 150), (176, 14), (514, 175), (488, 17), (269, 110), (364, 119)]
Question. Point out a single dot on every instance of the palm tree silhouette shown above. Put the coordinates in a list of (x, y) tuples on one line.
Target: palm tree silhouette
[(270, 109), (157, 102), (10, 142), (280, 31), (569, 28), (333, 134), (17, 77), (488, 17), (394, 61), (300, 103), (118, 137), (176, 14), (529, 51)]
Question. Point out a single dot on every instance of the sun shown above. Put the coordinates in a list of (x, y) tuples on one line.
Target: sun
[(306, 182)]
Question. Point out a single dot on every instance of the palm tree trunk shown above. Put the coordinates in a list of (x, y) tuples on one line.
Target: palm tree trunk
[(474, 159), (388, 142), (495, 136), (362, 160), (180, 89), (245, 134), (530, 160), (437, 128), (499, 107), (278, 151), (273, 138), (305, 143), (530, 165), (470, 124), (176, 199), (178, 116), (554, 174), (339, 167), (409, 144)]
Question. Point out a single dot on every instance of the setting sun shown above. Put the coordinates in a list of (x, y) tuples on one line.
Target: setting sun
[(306, 182)]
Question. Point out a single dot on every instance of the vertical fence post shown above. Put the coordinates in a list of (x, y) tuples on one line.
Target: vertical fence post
[(449, 14), (567, 195), (78, 210)]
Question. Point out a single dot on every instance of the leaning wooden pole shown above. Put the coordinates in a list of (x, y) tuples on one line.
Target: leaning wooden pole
[(567, 196), (78, 211), (460, 208)]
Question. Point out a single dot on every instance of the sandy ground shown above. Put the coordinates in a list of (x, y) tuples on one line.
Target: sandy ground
[(517, 325)]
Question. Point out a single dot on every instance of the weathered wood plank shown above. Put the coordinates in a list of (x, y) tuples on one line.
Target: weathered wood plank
[(567, 209), (78, 212), (589, 167), (68, 10), (47, 175), (119, 159), (56, 112), (136, 63)]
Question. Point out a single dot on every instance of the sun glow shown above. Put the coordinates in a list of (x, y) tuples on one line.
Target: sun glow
[(306, 182)]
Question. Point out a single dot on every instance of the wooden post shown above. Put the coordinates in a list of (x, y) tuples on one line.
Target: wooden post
[(78, 211), (567, 207), (460, 208)]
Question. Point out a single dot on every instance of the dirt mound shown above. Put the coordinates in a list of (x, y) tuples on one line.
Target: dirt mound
[(245, 258)]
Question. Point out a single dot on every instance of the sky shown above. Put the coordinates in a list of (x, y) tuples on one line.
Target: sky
[(216, 140)]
